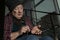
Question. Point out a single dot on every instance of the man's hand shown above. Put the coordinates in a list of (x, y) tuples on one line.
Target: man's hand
[(36, 30), (24, 29)]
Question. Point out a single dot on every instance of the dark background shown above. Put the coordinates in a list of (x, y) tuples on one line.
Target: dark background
[(2, 11)]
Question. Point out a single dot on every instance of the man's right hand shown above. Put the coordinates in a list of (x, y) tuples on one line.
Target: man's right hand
[(24, 29)]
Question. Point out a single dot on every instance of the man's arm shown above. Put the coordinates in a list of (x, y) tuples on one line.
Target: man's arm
[(14, 35), (24, 29)]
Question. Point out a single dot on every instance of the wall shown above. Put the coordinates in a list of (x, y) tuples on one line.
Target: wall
[(46, 6)]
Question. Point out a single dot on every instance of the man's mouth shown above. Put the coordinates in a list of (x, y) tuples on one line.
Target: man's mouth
[(19, 14)]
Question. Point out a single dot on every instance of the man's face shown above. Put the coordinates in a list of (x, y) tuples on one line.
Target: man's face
[(18, 11)]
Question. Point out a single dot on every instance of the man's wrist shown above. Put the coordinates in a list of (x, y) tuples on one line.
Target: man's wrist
[(20, 33)]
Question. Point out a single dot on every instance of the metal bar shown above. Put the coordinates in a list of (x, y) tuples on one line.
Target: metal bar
[(35, 14), (39, 3), (54, 28), (56, 6), (41, 11), (57, 11)]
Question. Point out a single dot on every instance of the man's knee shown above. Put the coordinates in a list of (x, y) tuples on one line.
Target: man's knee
[(47, 38), (32, 37)]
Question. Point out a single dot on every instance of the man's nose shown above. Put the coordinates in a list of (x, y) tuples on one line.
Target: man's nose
[(19, 11)]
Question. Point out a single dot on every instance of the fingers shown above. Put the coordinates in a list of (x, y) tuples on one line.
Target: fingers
[(25, 29), (28, 28), (39, 26), (32, 31), (36, 30)]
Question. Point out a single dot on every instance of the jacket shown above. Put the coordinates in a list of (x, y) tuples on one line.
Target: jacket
[(8, 25)]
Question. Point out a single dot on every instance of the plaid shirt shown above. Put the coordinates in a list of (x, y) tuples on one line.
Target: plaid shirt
[(8, 25)]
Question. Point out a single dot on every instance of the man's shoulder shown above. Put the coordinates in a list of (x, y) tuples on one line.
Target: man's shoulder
[(8, 16)]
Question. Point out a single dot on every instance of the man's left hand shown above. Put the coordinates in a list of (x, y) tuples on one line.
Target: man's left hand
[(36, 30)]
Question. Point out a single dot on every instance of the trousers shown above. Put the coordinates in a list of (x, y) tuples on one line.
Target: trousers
[(34, 37)]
